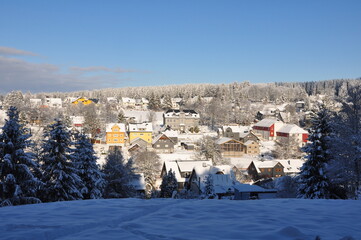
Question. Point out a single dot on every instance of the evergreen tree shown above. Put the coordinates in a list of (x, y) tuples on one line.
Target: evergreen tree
[(118, 175), (209, 191), (314, 182), (169, 184), (89, 172), (62, 182), (18, 185)]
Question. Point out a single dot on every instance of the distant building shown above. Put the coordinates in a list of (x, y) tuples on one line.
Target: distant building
[(35, 102), (115, 133), (140, 130), (267, 128), (291, 131), (163, 144), (53, 102), (82, 100), (181, 120)]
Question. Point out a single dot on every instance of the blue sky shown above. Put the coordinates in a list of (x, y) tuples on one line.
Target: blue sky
[(73, 45)]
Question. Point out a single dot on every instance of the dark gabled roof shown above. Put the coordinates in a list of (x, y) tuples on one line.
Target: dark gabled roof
[(178, 111), (94, 100)]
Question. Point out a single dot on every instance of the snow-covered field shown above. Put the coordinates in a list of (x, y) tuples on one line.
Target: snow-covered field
[(183, 219)]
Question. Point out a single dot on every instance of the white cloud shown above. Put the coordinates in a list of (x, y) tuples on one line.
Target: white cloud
[(7, 51), (16, 74), (100, 68)]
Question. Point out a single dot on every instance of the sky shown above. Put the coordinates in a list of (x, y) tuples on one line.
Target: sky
[(71, 45)]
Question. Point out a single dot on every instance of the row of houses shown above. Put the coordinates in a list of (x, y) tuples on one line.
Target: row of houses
[(191, 175), (273, 129)]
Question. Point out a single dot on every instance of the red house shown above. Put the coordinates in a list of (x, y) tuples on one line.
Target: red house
[(267, 128)]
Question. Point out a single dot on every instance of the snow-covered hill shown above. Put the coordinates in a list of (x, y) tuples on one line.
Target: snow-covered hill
[(183, 219)]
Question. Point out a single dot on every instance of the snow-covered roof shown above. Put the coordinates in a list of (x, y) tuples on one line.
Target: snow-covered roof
[(112, 99), (158, 137), (53, 100), (128, 100), (121, 126), (77, 119), (171, 133), (267, 122), (265, 164), (176, 100), (291, 165), (140, 127), (187, 113), (291, 128), (237, 128), (188, 166), (174, 166), (224, 140)]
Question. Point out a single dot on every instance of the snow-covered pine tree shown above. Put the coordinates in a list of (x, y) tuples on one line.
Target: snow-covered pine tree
[(209, 191), (89, 172), (18, 185), (314, 183), (169, 184), (62, 182), (118, 175)]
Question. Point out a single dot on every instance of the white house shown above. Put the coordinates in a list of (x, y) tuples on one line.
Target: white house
[(291, 131), (128, 102), (53, 102), (35, 102)]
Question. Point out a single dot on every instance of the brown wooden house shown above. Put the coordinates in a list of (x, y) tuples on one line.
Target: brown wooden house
[(265, 169)]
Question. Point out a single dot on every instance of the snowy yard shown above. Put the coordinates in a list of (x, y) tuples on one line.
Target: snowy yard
[(183, 219)]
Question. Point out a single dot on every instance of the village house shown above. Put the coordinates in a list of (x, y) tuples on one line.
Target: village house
[(265, 169), (290, 132), (115, 134), (163, 144), (181, 120), (128, 102), (137, 145), (140, 130), (112, 100), (77, 122), (35, 102), (235, 148), (182, 169), (267, 128), (251, 147), (230, 147), (53, 102), (173, 135), (234, 131), (82, 100), (222, 176), (251, 192)]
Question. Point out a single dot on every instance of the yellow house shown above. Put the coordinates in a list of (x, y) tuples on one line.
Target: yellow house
[(82, 100), (140, 130), (115, 133)]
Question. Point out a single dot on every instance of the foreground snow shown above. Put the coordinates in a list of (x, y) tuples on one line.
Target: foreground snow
[(183, 219)]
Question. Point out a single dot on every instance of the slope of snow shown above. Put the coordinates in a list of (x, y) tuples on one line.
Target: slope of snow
[(183, 219)]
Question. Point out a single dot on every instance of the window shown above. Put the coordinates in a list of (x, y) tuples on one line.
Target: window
[(115, 135), (115, 140), (166, 145), (158, 145)]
